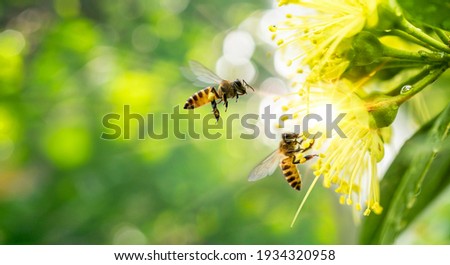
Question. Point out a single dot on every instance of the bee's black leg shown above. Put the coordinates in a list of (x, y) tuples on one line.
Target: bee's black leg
[(237, 96), (308, 157), (215, 110), (213, 90), (302, 159), (225, 101)]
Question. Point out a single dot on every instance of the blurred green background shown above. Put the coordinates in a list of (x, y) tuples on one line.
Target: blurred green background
[(64, 64)]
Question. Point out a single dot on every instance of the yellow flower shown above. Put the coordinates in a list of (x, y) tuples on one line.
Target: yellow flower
[(348, 159), (317, 35)]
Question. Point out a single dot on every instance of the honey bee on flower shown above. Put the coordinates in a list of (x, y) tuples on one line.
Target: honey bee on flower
[(349, 163)]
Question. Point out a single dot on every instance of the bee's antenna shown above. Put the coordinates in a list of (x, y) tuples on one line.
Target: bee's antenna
[(312, 136), (248, 85)]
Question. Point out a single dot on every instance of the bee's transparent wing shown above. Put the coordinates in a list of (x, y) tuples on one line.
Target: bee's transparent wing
[(203, 74), (266, 167)]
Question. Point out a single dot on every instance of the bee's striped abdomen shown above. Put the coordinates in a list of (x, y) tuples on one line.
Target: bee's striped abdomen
[(200, 98), (291, 173)]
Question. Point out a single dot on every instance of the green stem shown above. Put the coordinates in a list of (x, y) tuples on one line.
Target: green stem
[(412, 80), (401, 54), (420, 56), (442, 35), (410, 38), (409, 28), (429, 74), (393, 64)]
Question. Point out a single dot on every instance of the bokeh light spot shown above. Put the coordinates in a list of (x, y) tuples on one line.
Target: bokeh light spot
[(137, 89), (78, 35), (144, 39), (11, 43), (67, 146), (238, 68), (238, 44), (169, 27), (67, 8), (8, 124), (128, 234), (175, 6), (6, 148)]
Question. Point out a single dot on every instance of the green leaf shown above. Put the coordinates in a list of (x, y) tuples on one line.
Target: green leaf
[(432, 12), (416, 177)]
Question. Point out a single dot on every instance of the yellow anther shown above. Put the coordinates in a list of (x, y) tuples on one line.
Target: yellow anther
[(272, 28), (376, 207), (349, 201), (335, 179), (342, 199)]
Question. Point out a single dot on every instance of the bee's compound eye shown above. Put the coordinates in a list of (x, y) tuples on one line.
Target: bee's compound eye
[(287, 137)]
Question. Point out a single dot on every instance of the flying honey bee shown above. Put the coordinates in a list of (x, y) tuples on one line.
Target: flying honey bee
[(291, 152), (225, 89)]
